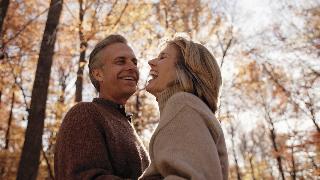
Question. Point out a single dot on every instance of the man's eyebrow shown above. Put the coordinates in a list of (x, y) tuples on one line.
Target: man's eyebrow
[(119, 58)]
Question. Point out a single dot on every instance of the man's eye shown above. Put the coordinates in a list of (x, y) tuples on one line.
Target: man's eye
[(120, 62), (135, 62)]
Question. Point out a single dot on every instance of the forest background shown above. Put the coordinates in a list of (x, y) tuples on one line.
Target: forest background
[(268, 52)]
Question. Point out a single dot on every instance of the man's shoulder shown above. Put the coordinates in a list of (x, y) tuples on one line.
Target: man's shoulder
[(83, 107), (82, 110)]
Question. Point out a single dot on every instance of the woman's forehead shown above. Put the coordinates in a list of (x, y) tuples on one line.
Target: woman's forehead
[(169, 49)]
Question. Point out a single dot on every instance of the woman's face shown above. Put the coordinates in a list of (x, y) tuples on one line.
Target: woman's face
[(163, 70)]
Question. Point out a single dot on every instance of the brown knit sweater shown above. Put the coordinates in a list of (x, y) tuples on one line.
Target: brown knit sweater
[(97, 141)]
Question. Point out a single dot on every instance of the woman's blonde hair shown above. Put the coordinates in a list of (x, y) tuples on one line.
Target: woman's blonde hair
[(198, 71)]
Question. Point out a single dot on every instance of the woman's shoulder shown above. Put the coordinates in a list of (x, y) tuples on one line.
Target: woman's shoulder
[(189, 105), (182, 99)]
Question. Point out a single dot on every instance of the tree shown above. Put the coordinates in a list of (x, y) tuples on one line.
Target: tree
[(270, 76), (3, 12), (83, 48), (29, 162), (84, 38)]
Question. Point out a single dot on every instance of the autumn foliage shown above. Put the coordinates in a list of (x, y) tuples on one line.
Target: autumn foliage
[(270, 101)]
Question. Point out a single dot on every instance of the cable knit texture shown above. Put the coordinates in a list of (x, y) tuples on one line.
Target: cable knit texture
[(188, 142), (97, 141)]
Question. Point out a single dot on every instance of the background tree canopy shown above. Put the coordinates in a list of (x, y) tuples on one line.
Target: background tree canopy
[(268, 52)]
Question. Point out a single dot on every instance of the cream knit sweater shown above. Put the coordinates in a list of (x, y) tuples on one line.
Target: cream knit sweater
[(188, 142)]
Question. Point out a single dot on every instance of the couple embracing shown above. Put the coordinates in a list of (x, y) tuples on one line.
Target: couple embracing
[(97, 140)]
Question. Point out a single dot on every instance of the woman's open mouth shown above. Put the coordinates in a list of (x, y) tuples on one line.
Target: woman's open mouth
[(152, 75)]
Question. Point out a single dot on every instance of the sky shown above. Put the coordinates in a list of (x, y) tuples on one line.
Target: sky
[(256, 15)]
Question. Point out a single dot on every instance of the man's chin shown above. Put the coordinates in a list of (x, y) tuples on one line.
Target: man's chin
[(130, 83), (130, 91)]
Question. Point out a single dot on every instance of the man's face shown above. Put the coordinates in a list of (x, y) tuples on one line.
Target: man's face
[(119, 74)]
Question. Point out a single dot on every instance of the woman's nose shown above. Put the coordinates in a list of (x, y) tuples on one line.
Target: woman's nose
[(152, 62)]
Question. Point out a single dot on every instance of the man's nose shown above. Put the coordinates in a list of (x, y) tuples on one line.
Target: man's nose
[(132, 65)]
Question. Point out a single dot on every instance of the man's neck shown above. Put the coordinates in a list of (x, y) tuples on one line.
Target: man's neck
[(121, 101)]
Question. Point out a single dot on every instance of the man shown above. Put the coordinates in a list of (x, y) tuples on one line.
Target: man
[(96, 139)]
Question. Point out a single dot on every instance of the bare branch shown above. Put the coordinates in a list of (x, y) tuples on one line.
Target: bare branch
[(27, 24), (121, 14)]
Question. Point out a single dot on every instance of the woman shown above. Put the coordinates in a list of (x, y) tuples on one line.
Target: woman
[(188, 142)]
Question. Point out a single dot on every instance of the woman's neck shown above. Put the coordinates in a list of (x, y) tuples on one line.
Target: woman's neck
[(163, 96)]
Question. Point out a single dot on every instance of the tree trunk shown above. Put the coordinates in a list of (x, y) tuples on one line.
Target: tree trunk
[(3, 12), (49, 168), (234, 153), (275, 146), (294, 168), (313, 114), (7, 137), (252, 168), (82, 61), (9, 122), (29, 161)]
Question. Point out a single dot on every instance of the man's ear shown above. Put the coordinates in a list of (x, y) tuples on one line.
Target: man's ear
[(98, 74)]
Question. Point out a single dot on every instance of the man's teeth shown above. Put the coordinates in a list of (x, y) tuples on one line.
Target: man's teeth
[(128, 78)]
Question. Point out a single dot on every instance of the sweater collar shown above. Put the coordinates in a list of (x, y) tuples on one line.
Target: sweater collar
[(164, 95), (107, 104)]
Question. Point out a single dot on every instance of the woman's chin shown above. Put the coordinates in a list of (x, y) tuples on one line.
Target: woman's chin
[(150, 90), (152, 87)]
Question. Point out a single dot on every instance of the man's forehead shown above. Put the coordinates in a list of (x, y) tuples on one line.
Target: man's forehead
[(119, 49)]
